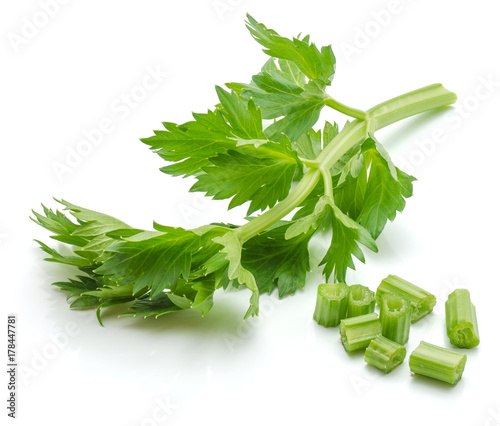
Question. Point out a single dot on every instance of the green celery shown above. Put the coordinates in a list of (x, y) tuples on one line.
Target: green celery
[(422, 302), (395, 316), (384, 354), (331, 304), (439, 363), (343, 179), (357, 332), (461, 320), (361, 301)]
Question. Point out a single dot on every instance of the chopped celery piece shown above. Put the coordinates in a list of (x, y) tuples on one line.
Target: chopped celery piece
[(331, 304), (384, 354), (395, 316), (361, 301), (438, 363), (357, 332), (461, 321), (421, 301)]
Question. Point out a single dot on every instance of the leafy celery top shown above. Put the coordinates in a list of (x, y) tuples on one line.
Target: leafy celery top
[(257, 146)]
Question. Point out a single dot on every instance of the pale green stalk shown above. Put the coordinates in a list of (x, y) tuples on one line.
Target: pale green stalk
[(437, 362), (376, 118)]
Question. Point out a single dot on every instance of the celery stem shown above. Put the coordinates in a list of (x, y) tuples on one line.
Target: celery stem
[(384, 354), (461, 320), (395, 316), (331, 304), (357, 332), (361, 301), (439, 363), (422, 302)]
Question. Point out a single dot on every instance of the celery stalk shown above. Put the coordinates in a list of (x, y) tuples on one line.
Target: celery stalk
[(361, 301), (395, 316), (422, 302), (357, 332), (384, 354), (461, 320), (436, 362), (331, 304)]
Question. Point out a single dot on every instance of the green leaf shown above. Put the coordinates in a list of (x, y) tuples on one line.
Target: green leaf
[(204, 301), (77, 286), (60, 225), (151, 259), (310, 222), (111, 295), (190, 145), (232, 250), (111, 291), (346, 237), (371, 190), (351, 188), (406, 182), (330, 131), (93, 227), (274, 92), (275, 261), (92, 223), (261, 175), (85, 302), (111, 302), (182, 302), (55, 256), (311, 143), (159, 305), (383, 191), (243, 117), (314, 63), (298, 120), (284, 92)]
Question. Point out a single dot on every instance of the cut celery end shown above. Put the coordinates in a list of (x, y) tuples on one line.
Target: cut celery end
[(384, 354), (357, 332), (395, 316), (422, 302), (461, 320), (361, 301), (437, 362), (331, 304)]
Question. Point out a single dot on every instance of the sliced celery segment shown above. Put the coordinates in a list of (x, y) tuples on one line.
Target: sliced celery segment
[(331, 304), (361, 301), (384, 354), (422, 302), (461, 320), (395, 316), (357, 332), (437, 362)]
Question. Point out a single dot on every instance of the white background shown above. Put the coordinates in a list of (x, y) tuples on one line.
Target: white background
[(62, 75)]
